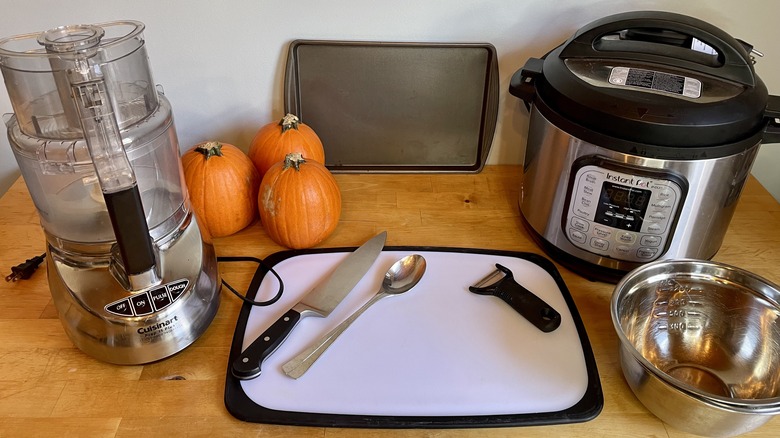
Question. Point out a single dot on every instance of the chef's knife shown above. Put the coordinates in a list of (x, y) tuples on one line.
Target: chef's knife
[(320, 301)]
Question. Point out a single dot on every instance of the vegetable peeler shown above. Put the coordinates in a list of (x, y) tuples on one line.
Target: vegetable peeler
[(501, 283)]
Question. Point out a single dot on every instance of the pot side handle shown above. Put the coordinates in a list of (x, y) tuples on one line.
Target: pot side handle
[(522, 83), (772, 131)]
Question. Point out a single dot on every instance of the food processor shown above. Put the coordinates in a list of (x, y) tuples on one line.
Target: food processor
[(132, 275)]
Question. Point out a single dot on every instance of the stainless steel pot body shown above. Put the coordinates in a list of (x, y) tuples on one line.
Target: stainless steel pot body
[(698, 344), (680, 208), (684, 411)]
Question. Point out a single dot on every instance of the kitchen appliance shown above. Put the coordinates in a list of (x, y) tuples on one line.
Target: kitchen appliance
[(133, 278), (643, 129)]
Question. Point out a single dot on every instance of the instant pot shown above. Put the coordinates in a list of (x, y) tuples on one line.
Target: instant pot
[(643, 129)]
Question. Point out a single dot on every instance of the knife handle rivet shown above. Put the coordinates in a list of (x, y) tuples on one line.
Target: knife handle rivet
[(286, 318), (267, 338), (244, 359)]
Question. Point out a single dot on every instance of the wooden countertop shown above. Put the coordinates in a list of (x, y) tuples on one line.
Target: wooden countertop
[(50, 388)]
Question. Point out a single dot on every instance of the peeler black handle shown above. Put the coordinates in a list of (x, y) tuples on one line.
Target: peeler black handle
[(530, 306)]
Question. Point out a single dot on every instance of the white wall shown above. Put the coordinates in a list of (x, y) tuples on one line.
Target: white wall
[(221, 62)]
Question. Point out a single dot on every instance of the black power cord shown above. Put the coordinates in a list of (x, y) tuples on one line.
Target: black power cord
[(266, 267), (25, 270)]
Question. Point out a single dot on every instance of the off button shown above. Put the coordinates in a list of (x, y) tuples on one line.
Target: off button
[(121, 308)]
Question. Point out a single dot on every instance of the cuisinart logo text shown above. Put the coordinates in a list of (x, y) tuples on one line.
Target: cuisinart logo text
[(158, 326), (628, 180)]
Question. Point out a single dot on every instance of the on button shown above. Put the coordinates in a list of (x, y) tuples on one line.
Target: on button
[(142, 304)]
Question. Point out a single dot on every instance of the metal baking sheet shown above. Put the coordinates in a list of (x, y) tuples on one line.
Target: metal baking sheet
[(396, 107), (458, 359)]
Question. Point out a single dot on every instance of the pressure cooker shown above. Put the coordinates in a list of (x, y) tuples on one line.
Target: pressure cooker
[(643, 129)]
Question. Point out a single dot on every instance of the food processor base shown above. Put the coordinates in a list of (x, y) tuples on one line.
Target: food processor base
[(114, 325)]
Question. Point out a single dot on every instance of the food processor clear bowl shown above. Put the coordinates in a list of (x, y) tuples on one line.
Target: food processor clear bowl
[(62, 182)]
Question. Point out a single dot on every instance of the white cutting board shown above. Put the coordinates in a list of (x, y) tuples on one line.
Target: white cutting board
[(437, 350)]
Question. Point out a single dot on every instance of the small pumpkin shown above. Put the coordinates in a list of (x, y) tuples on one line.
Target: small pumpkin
[(223, 185), (299, 202), (274, 141)]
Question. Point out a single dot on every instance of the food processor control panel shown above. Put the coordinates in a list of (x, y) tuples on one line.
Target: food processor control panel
[(622, 212), (149, 302)]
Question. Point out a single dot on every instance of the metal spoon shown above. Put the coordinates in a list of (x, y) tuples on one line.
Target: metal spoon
[(402, 276)]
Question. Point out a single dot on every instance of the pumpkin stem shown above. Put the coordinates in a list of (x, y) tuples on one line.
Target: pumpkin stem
[(294, 160), (210, 149), (289, 121)]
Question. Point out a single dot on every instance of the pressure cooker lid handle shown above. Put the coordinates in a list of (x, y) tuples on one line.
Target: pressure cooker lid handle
[(658, 37)]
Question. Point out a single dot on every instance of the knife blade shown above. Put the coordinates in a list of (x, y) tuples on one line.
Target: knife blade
[(319, 301)]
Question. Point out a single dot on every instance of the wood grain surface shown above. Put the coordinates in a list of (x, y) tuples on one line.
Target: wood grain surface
[(50, 388)]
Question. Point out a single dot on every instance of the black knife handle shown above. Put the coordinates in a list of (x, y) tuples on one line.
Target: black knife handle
[(247, 365), (525, 302)]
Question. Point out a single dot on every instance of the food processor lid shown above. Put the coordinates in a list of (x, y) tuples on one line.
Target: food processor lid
[(31, 52), (654, 78), (37, 68)]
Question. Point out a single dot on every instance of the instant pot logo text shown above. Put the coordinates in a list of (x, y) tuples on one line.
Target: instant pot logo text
[(158, 326), (631, 181)]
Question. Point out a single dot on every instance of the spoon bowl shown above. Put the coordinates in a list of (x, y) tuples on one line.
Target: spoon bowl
[(400, 278), (404, 274)]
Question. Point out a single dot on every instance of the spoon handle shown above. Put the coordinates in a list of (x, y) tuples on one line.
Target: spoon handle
[(298, 365)]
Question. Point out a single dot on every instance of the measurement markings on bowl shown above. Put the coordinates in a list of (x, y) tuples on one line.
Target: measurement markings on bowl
[(677, 307)]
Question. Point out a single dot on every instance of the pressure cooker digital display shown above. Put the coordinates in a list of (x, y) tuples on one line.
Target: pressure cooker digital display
[(622, 212), (622, 207)]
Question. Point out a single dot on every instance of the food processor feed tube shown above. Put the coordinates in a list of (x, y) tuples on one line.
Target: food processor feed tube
[(115, 175)]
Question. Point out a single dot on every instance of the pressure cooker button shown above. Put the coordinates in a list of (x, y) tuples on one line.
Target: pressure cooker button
[(599, 244), (577, 236), (665, 194), (646, 253), (658, 216), (623, 250), (585, 202), (661, 205), (650, 241), (580, 224), (625, 237), (654, 228), (602, 232)]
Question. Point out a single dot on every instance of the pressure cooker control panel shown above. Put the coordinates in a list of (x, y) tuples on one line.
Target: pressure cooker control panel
[(623, 213)]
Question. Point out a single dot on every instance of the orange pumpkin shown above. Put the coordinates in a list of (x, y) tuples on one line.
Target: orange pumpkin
[(299, 202), (223, 184), (274, 141)]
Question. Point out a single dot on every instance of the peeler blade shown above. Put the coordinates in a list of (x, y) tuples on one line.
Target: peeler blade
[(501, 283)]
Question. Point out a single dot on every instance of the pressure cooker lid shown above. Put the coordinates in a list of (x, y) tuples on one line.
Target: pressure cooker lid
[(650, 77)]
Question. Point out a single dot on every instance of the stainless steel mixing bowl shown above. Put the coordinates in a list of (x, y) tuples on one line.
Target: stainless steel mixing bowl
[(700, 344)]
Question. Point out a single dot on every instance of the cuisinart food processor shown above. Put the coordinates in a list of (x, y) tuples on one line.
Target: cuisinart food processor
[(133, 278), (643, 130)]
